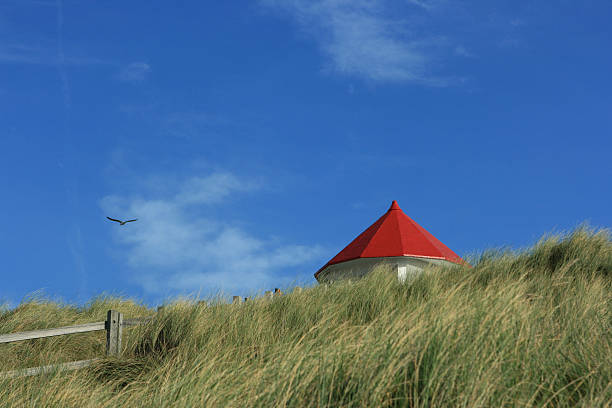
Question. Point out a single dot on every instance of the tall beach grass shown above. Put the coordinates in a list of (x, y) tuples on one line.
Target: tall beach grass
[(529, 328)]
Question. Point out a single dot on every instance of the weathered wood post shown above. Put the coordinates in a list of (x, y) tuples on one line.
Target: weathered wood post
[(114, 319), (237, 299)]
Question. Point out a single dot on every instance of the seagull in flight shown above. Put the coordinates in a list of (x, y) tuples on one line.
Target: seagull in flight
[(121, 222)]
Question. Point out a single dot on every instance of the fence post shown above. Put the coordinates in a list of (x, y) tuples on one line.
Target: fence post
[(237, 299), (114, 319)]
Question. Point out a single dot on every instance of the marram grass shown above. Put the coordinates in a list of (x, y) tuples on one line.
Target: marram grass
[(519, 329)]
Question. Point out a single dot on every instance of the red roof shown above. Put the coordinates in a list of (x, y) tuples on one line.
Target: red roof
[(394, 234)]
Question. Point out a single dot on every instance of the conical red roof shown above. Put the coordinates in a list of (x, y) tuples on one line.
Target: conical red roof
[(394, 234)]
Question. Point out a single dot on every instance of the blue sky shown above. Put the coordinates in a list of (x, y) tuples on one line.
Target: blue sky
[(253, 140)]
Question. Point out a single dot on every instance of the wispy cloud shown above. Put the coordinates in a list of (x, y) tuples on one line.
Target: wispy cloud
[(25, 43), (518, 22), (61, 66), (211, 189), (75, 244), (135, 72), (187, 125), (461, 51), (36, 55), (427, 4), (174, 248), (48, 3), (26, 54), (362, 39), (13, 54)]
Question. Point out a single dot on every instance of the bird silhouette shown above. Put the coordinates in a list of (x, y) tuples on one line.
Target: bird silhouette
[(121, 222)]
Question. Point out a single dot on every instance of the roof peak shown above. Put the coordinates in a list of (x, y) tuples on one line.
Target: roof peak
[(394, 206)]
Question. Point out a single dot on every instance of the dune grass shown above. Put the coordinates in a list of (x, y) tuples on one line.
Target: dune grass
[(525, 328)]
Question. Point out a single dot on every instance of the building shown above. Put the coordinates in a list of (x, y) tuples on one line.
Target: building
[(394, 240)]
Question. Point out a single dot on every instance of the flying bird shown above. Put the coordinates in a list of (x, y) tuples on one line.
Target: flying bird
[(121, 222)]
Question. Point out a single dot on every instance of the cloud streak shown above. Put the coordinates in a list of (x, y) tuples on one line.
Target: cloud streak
[(24, 54), (135, 72), (173, 248), (361, 39)]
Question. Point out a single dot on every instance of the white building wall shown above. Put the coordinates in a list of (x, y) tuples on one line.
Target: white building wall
[(405, 267)]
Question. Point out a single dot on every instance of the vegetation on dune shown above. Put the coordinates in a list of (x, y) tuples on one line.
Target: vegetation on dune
[(528, 328)]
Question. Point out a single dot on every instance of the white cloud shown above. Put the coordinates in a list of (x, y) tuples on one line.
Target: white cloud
[(174, 248), (135, 72), (361, 39)]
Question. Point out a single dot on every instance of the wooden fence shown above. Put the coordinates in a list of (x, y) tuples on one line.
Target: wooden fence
[(113, 326), (267, 295)]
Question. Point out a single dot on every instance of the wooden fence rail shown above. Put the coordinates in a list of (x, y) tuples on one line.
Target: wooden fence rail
[(113, 326), (38, 334)]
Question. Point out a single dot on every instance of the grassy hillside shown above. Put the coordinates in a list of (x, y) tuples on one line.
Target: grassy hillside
[(532, 328)]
